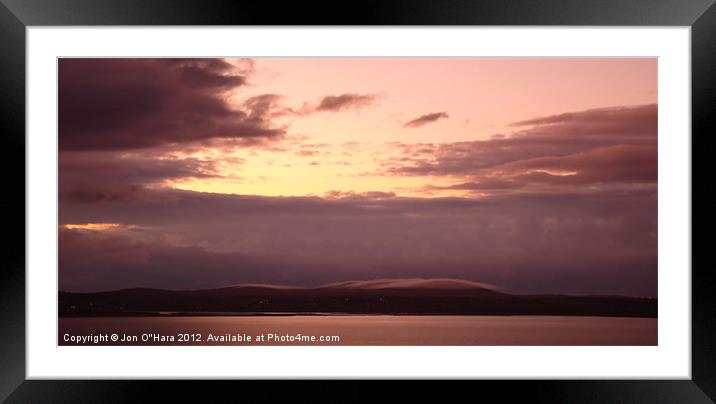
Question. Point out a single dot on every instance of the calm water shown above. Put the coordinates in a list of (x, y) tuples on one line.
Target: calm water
[(360, 330)]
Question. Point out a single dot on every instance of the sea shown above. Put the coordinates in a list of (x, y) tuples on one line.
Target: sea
[(356, 330)]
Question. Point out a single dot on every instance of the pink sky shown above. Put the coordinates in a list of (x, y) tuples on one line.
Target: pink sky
[(481, 97)]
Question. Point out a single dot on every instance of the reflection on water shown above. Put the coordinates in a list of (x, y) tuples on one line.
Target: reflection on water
[(358, 330)]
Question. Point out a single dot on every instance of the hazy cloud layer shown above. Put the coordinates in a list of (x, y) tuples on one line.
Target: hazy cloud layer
[(583, 242)]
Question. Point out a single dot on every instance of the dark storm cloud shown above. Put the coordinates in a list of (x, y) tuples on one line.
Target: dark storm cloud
[(344, 101), (122, 104), (426, 119)]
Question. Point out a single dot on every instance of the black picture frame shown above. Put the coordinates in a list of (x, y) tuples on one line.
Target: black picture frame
[(16, 15)]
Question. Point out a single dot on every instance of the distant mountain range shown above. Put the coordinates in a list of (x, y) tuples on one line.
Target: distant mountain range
[(384, 296)]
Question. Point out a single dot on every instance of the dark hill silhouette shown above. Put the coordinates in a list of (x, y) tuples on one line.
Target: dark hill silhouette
[(394, 296)]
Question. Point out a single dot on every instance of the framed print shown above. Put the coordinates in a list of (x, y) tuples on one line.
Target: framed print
[(455, 191)]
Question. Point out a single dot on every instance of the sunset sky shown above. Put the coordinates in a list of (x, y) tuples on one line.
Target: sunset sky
[(532, 174)]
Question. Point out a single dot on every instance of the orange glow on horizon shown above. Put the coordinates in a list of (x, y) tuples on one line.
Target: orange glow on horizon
[(92, 226)]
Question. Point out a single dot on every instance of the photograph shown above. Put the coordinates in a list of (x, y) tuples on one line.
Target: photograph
[(385, 201), (208, 198)]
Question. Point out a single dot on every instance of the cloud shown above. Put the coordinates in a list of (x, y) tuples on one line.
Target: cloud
[(613, 165), (567, 203), (414, 283), (426, 119), (124, 104), (621, 120), (483, 184), (572, 242), (97, 195), (609, 145), (137, 168), (92, 261), (307, 153), (345, 101), (100, 177), (619, 164), (371, 195)]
